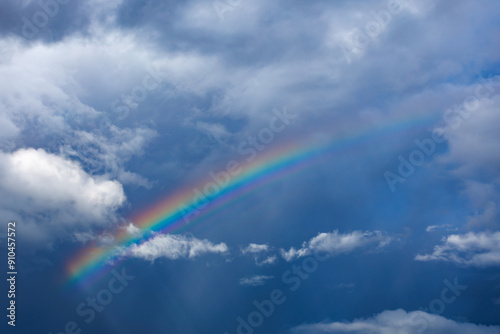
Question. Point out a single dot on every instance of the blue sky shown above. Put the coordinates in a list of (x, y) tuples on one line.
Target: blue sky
[(107, 107)]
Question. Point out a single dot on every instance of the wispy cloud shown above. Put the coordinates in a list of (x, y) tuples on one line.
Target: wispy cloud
[(447, 227), (268, 260), (259, 253), (255, 280)]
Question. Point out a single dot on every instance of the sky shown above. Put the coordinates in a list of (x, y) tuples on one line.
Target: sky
[(250, 166)]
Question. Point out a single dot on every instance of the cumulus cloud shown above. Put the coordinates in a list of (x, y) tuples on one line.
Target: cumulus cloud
[(255, 280), (471, 249), (174, 247), (35, 182), (336, 243), (397, 322)]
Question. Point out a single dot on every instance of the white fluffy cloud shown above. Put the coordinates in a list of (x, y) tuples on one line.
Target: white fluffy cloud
[(471, 249), (398, 322), (35, 182), (174, 247), (336, 243)]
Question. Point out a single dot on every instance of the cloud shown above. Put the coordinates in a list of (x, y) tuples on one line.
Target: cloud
[(259, 254), (109, 152), (255, 249), (174, 247), (83, 237), (216, 130), (336, 243), (132, 229), (268, 260), (35, 182), (64, 104), (255, 280), (487, 216), (397, 322), (432, 228), (106, 238), (472, 134), (471, 249)]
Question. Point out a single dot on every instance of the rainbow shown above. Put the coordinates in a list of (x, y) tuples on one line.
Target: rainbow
[(178, 210)]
